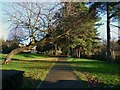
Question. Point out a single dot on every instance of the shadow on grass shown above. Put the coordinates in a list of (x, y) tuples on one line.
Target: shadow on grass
[(90, 66), (64, 65), (56, 67), (61, 61), (25, 55), (74, 84), (87, 66), (32, 55), (98, 69), (29, 83), (12, 79), (101, 68)]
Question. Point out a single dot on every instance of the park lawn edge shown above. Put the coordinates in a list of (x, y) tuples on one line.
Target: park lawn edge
[(45, 72), (85, 75)]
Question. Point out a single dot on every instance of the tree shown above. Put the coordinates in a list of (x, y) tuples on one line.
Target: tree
[(33, 19), (9, 45), (112, 11), (1, 43), (75, 27), (69, 22)]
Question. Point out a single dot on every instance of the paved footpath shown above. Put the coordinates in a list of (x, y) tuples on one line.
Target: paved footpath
[(61, 76)]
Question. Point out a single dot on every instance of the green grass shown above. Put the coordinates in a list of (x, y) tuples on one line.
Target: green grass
[(35, 66), (108, 75), (24, 56)]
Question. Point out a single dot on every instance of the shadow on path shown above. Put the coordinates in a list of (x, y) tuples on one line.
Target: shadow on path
[(61, 76), (61, 84)]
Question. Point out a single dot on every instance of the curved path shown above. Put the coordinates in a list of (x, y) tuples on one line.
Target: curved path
[(61, 76)]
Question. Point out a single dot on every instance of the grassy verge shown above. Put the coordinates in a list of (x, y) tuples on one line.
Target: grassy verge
[(35, 66), (99, 73)]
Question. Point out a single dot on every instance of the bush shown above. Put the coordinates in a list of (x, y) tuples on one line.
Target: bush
[(8, 46)]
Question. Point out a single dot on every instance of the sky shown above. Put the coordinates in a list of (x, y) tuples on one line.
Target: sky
[(4, 27), (102, 30)]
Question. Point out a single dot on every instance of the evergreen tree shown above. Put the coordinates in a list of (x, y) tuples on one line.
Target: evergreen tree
[(76, 28), (112, 10)]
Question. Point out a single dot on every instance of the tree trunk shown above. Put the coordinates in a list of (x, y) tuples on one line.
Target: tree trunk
[(71, 51), (79, 52), (55, 49), (76, 52), (15, 51), (108, 35)]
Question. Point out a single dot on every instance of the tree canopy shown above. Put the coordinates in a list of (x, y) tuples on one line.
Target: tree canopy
[(63, 24), (111, 9)]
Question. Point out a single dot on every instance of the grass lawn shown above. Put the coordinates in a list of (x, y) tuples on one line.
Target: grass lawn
[(98, 72), (35, 66)]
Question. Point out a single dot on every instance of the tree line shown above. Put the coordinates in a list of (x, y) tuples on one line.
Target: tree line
[(67, 26)]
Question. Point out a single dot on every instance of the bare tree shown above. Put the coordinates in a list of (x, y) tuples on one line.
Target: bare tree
[(34, 20)]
